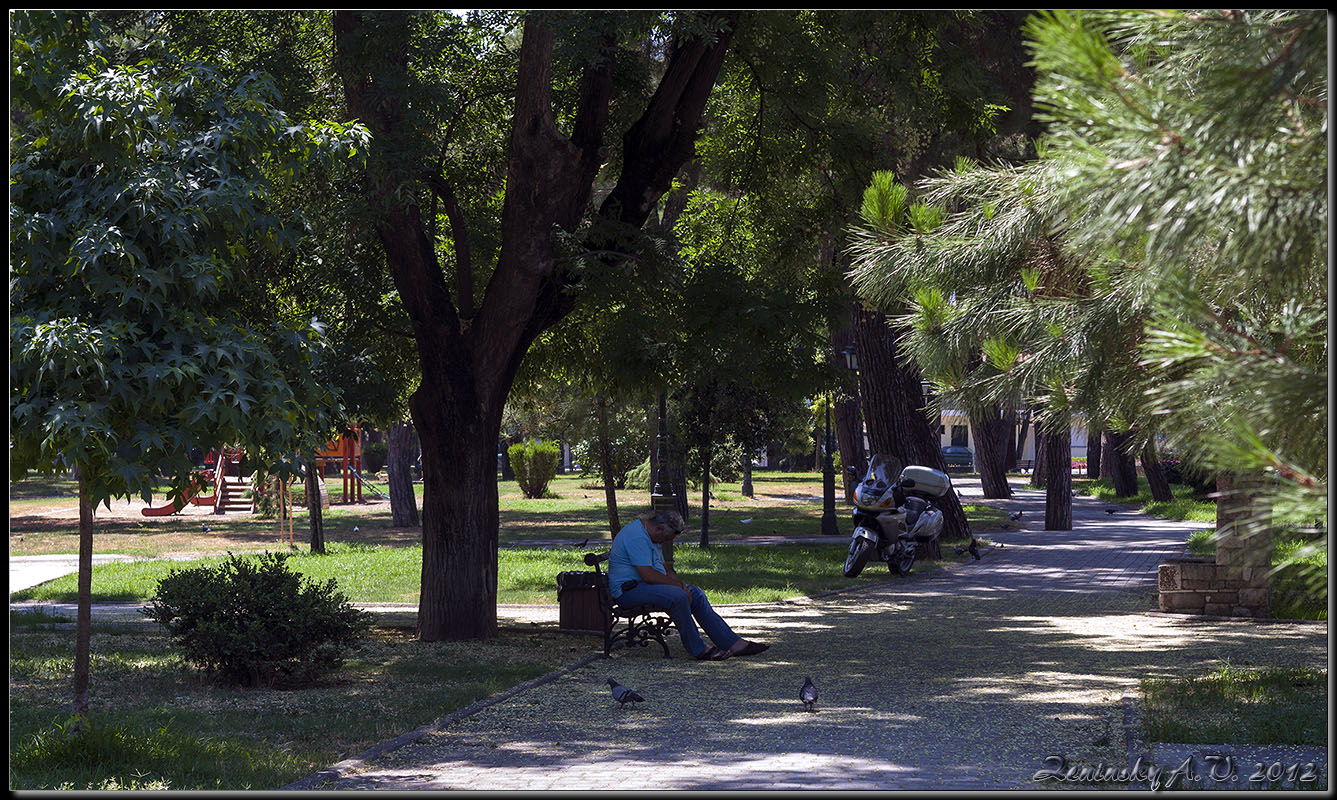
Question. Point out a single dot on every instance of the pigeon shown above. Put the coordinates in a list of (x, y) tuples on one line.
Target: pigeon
[(974, 548), (1110, 510), (808, 694), (355, 529), (1005, 526), (623, 695), (746, 521), (1014, 517)]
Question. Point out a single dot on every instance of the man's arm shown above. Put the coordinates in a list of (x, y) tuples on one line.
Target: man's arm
[(652, 575)]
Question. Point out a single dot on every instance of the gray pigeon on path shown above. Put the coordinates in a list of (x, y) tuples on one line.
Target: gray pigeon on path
[(808, 694), (624, 695)]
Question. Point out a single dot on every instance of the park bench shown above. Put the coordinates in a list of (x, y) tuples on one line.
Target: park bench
[(630, 625)]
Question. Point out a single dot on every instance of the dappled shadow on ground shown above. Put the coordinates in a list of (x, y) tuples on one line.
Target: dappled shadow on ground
[(944, 682)]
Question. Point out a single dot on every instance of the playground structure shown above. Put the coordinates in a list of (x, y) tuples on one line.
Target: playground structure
[(346, 451), (229, 485)]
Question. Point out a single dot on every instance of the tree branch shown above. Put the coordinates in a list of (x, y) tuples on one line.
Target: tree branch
[(459, 232)]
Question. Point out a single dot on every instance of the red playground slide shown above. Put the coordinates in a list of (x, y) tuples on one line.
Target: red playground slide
[(170, 508), (190, 496)]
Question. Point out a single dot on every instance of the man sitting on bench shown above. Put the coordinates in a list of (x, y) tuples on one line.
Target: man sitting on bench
[(636, 575)]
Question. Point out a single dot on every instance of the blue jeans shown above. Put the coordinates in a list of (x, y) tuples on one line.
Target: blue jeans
[(685, 614)]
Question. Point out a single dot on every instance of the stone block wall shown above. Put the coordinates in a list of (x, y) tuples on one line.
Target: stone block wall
[(1220, 587)]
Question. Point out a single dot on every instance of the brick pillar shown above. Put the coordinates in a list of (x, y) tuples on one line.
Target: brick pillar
[(1243, 550)]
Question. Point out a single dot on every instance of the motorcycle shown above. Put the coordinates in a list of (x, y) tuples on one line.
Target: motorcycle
[(891, 514)]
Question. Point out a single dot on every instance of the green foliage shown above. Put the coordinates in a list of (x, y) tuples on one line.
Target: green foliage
[(1163, 259), (884, 201), (535, 464), (142, 199), (626, 451), (255, 622)]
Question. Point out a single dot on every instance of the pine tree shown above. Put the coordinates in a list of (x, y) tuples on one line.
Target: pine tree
[(1161, 263)]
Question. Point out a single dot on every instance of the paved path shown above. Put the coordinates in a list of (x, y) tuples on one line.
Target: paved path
[(987, 676)]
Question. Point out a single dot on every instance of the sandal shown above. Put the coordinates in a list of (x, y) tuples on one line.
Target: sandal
[(712, 653), (752, 649)]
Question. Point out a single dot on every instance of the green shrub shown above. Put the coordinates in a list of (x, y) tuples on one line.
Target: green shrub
[(254, 622), (535, 464)]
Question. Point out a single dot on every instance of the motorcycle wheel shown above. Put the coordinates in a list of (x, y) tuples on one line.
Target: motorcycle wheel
[(860, 549), (901, 560)]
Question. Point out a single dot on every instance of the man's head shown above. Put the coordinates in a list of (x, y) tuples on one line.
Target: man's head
[(663, 526)]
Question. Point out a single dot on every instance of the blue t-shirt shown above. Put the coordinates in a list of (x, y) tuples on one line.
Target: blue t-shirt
[(632, 548)]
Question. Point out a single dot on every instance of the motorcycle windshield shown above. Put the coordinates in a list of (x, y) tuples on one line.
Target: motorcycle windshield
[(883, 469)]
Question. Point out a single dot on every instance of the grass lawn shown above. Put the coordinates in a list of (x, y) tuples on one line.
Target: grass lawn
[(1184, 506), (367, 574), (43, 518), (1276, 706), (157, 725)]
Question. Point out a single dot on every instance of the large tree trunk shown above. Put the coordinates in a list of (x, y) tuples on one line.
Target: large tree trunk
[(1039, 470), (1120, 463), (893, 404), (403, 501), (1058, 479), (1094, 434), (469, 353), (1151, 467), (83, 620), (458, 598), (992, 433)]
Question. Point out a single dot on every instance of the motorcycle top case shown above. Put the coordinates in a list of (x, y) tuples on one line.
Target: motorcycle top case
[(928, 482)]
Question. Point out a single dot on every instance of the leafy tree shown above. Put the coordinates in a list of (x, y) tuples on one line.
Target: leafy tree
[(999, 337), (338, 274), (399, 79), (748, 322), (141, 195), (818, 101), (1176, 201), (1197, 147)]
